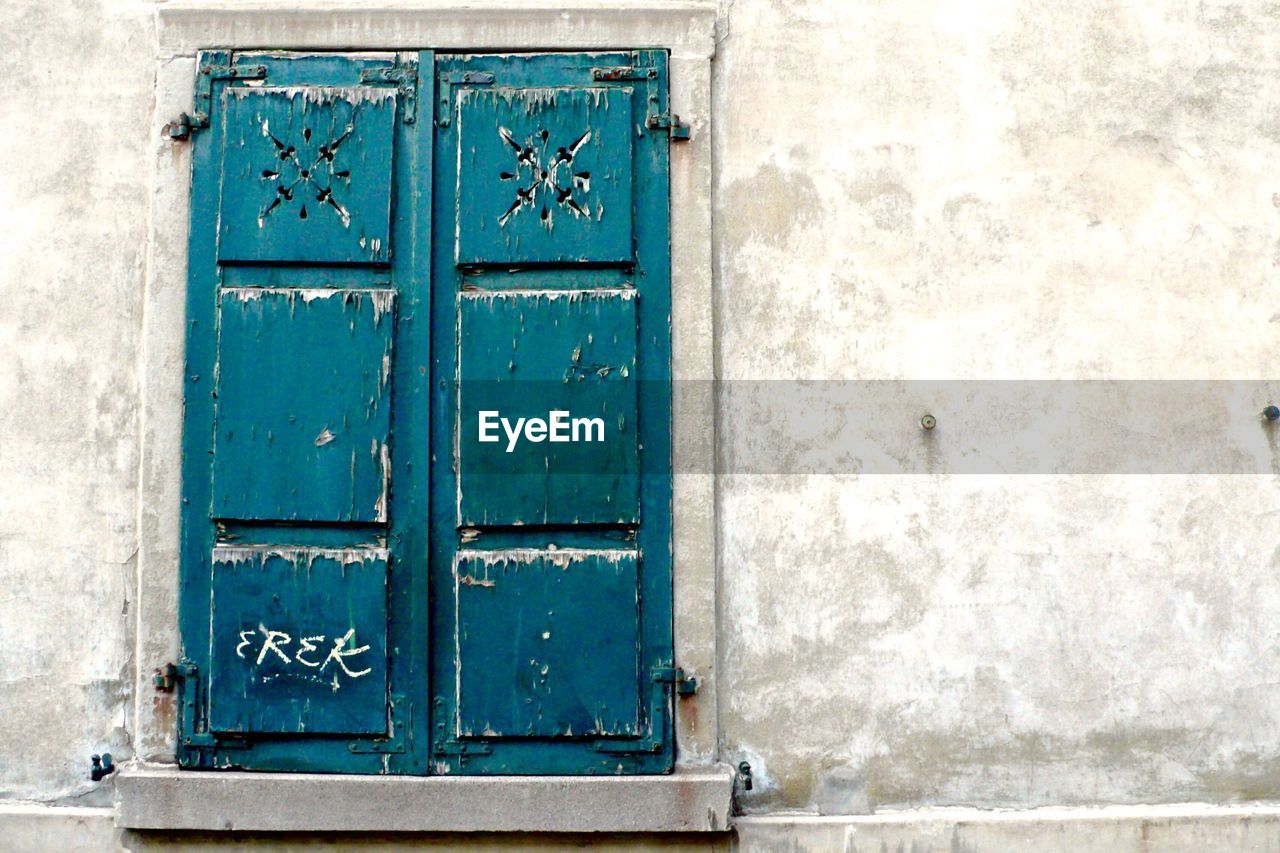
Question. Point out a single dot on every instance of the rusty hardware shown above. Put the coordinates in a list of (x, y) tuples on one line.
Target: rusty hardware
[(744, 775), (1272, 412), (165, 678), (928, 422), (623, 72), (101, 766), (189, 699), (185, 125), (444, 91), (686, 685), (180, 129), (678, 130), (209, 72), (406, 79), (670, 122), (660, 677)]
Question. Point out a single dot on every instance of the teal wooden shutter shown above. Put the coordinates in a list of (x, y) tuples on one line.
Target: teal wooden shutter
[(551, 559), (367, 585), (303, 619)]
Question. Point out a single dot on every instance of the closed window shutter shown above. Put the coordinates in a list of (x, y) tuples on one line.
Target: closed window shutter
[(295, 341), (553, 589), (385, 247)]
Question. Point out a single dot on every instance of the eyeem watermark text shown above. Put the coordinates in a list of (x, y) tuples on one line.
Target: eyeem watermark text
[(559, 425)]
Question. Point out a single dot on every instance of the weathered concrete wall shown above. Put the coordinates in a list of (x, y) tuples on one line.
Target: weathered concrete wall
[(1112, 829), (75, 108), (1014, 190), (1043, 189)]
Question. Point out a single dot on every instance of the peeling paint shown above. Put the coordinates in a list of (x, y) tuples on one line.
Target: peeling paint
[(297, 555), (320, 95), (561, 558)]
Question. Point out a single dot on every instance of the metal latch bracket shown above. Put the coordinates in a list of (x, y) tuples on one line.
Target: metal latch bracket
[(188, 698), (406, 79), (444, 93), (671, 123), (685, 685), (623, 72), (660, 676), (205, 75), (455, 747)]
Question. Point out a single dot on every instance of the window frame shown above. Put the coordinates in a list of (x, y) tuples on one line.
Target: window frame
[(687, 31)]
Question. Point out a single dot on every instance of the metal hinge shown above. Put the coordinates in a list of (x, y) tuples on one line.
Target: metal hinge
[(660, 677), (395, 743), (671, 123), (165, 677), (205, 75), (188, 698), (444, 95), (685, 685), (406, 79), (454, 747), (100, 766), (376, 747), (623, 72)]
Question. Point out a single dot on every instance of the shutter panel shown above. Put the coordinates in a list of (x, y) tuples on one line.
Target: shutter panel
[(296, 333), (551, 558), (544, 175), (299, 641), (304, 404), (527, 355), (508, 624), (307, 174)]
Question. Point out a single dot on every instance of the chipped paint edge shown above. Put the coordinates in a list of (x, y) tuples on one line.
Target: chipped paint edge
[(236, 554), (319, 95)]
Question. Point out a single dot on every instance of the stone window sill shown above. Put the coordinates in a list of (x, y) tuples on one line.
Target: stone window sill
[(693, 799)]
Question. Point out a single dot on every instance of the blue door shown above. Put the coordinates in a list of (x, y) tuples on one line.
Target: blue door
[(371, 582)]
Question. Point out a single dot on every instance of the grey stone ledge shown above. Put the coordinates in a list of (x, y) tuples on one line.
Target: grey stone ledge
[(689, 800), (687, 27)]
